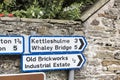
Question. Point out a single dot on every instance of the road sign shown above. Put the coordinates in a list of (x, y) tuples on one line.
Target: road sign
[(36, 62), (24, 76), (60, 44), (11, 44)]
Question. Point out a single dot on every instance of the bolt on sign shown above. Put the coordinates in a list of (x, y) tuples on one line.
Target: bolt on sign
[(24, 76)]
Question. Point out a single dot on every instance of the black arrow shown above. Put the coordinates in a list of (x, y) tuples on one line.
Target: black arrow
[(80, 60), (82, 44)]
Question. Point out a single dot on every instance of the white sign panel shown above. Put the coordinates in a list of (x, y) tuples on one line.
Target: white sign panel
[(59, 44), (11, 44), (52, 62)]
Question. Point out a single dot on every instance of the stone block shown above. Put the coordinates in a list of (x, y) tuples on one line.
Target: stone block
[(117, 55), (113, 67), (70, 22), (95, 22), (79, 32), (98, 28), (104, 54), (117, 71), (31, 20), (110, 62), (108, 23), (106, 77), (9, 19), (118, 77)]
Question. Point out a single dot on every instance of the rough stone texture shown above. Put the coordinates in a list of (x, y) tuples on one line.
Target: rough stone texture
[(102, 31), (9, 64), (95, 22), (102, 53), (117, 55), (88, 13)]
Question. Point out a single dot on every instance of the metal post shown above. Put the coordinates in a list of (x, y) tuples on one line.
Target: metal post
[(71, 75)]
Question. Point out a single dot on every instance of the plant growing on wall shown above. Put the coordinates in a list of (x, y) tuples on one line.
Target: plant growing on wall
[(52, 9), (32, 11)]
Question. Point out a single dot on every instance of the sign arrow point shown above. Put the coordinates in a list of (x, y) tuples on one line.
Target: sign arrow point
[(81, 60), (82, 43)]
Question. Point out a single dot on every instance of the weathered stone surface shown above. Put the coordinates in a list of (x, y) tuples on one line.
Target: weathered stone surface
[(94, 8), (10, 19), (117, 4), (106, 15), (118, 78), (99, 28), (103, 45), (95, 22), (114, 67), (43, 30), (117, 71), (110, 62), (108, 22), (58, 75), (31, 20), (104, 54), (8, 64), (117, 55), (69, 22)]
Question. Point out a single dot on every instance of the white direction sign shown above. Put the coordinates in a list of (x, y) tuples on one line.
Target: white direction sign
[(58, 44), (11, 44), (52, 62)]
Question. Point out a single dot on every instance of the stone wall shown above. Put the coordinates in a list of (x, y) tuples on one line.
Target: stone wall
[(102, 32)]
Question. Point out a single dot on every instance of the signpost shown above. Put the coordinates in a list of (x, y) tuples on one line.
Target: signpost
[(24, 76), (57, 44), (46, 52), (54, 53), (52, 62), (11, 44)]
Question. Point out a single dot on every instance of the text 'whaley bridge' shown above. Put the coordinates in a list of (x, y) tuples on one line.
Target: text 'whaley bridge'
[(56, 44)]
